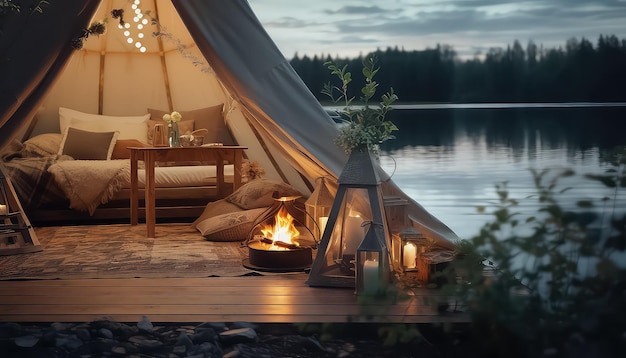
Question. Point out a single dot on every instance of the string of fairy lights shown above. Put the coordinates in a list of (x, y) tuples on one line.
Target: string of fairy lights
[(140, 21)]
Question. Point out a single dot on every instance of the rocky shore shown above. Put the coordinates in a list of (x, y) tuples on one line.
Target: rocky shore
[(239, 339)]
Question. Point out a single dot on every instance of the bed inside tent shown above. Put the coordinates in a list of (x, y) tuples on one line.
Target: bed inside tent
[(213, 62)]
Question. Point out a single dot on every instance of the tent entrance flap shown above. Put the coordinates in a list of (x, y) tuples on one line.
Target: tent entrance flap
[(198, 61)]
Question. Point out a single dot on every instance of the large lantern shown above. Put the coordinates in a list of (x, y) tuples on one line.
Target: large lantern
[(357, 202), (318, 207)]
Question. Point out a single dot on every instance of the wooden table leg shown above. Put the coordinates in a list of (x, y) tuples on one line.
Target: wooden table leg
[(219, 173), (237, 172), (149, 194), (134, 188)]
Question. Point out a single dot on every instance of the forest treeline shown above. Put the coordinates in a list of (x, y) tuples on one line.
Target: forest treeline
[(579, 71)]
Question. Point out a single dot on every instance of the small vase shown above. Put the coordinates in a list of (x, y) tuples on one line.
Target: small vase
[(173, 134)]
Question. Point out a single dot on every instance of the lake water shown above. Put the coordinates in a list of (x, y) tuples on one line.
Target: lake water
[(449, 158)]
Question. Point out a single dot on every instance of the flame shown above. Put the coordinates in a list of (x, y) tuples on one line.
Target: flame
[(283, 230)]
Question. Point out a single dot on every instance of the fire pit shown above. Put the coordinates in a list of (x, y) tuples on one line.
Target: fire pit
[(278, 241)]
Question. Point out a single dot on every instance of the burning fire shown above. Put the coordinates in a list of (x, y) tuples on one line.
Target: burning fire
[(283, 234)]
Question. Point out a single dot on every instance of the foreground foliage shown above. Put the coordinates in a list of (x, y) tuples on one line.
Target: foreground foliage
[(558, 288)]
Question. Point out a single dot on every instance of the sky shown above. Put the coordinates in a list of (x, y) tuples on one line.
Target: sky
[(347, 28)]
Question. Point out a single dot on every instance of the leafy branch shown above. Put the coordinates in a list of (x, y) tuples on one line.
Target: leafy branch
[(366, 127)]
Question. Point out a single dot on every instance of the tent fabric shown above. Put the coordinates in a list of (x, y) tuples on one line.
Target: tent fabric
[(233, 61), (248, 64), (27, 71)]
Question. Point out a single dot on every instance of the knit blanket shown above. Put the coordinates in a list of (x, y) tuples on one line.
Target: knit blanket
[(89, 183)]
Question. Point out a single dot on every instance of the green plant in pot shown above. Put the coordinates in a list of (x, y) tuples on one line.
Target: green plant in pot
[(366, 126)]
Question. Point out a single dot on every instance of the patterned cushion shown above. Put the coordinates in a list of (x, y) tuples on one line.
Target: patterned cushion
[(258, 193), (44, 145), (229, 227), (216, 208)]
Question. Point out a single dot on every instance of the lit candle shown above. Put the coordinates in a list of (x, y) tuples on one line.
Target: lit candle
[(410, 254), (371, 278), (323, 222), (354, 234), (3, 209)]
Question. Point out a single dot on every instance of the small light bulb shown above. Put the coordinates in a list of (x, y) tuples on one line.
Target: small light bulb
[(130, 40), (126, 33), (144, 21), (137, 2), (127, 25), (143, 49), (134, 6), (140, 35), (137, 11), (137, 44)]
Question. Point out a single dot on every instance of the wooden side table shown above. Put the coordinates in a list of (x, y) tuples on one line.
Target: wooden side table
[(213, 154)]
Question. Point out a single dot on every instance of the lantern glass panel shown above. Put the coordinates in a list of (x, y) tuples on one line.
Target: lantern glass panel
[(369, 273), (318, 207), (347, 233), (4, 199)]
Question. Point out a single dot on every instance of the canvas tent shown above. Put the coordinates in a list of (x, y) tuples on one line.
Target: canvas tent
[(209, 52)]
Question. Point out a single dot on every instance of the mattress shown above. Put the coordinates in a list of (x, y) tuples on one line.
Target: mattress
[(183, 176)]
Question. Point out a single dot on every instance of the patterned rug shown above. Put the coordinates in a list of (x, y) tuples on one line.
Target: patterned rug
[(123, 251)]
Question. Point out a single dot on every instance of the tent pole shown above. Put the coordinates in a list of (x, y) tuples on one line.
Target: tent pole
[(166, 79), (102, 60)]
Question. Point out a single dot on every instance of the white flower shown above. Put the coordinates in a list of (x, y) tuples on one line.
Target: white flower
[(172, 117)]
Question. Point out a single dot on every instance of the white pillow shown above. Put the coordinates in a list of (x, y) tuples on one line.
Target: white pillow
[(129, 127)]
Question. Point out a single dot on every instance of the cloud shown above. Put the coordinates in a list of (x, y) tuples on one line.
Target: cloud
[(353, 27)]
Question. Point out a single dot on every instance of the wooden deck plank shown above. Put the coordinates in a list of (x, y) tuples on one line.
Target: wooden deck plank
[(160, 309), (255, 299), (283, 280), (196, 318)]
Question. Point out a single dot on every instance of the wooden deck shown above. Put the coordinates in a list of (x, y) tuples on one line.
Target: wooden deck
[(260, 299)]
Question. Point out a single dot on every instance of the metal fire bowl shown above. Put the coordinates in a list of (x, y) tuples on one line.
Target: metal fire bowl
[(261, 259)]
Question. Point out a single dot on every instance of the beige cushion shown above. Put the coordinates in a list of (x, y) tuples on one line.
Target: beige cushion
[(86, 145), (45, 144), (121, 151), (258, 193), (184, 127), (216, 208), (129, 127), (229, 227)]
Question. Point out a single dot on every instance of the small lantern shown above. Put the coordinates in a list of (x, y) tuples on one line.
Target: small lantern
[(372, 267), (408, 247), (358, 200), (318, 207), (17, 236)]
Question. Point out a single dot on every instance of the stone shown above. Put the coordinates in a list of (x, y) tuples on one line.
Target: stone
[(26, 341), (238, 335), (205, 349), (104, 332), (184, 340), (83, 333), (205, 335), (9, 329), (145, 324)]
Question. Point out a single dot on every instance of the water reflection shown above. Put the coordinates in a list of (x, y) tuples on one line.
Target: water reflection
[(450, 159)]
